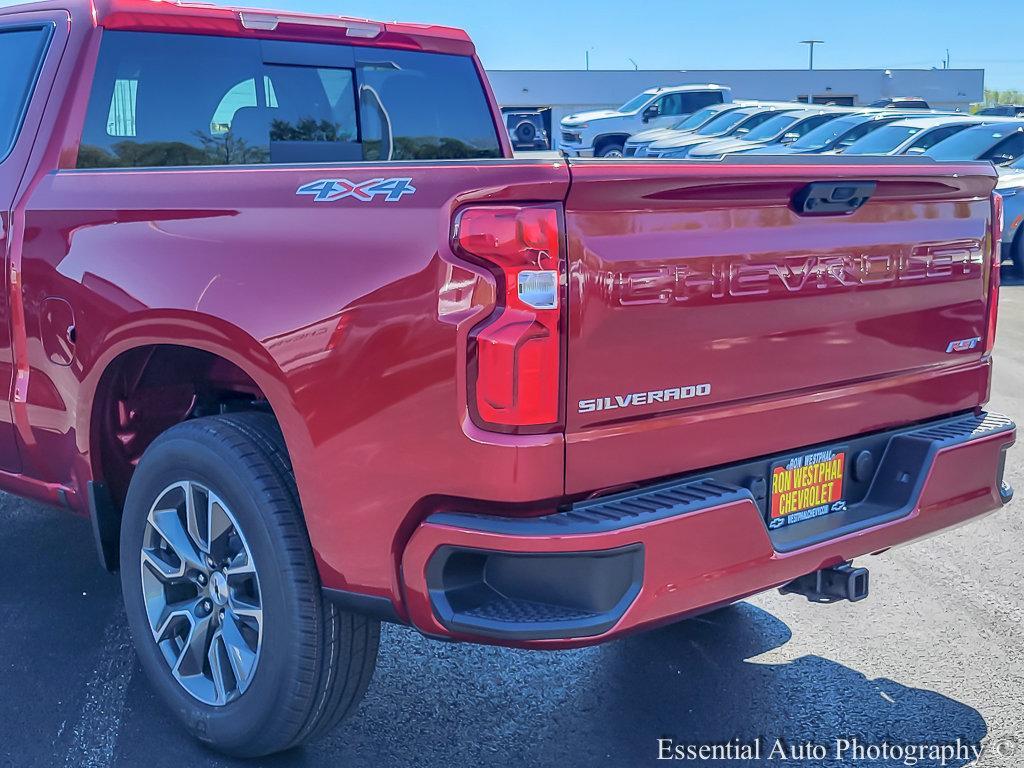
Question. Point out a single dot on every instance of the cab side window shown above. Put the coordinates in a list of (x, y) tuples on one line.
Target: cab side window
[(181, 100)]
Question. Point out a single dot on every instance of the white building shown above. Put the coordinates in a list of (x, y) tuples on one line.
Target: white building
[(568, 91)]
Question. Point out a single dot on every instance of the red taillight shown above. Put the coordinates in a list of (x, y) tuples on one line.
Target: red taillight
[(993, 280), (515, 355)]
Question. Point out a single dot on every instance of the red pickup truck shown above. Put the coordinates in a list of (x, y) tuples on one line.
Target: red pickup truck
[(287, 321)]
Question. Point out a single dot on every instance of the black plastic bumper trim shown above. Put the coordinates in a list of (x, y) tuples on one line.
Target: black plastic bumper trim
[(533, 596), (608, 513), (897, 483)]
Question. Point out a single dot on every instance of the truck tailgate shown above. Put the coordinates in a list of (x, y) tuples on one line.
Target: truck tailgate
[(711, 322)]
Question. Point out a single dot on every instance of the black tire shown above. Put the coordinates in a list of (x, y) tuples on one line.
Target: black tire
[(612, 149), (314, 661)]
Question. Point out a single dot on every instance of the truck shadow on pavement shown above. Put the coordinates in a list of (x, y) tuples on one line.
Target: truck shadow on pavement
[(85, 700), (700, 683), (437, 704)]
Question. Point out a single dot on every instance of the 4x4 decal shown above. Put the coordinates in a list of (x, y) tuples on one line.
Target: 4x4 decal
[(328, 190)]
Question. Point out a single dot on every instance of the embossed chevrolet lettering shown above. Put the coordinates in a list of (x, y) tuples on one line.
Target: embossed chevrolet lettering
[(740, 276)]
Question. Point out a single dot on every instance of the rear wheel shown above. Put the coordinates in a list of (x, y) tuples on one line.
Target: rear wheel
[(222, 593)]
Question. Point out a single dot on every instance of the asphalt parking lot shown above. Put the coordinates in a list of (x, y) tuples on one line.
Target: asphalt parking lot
[(936, 654)]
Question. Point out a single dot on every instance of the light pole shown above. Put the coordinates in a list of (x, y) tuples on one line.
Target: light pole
[(588, 57), (810, 44)]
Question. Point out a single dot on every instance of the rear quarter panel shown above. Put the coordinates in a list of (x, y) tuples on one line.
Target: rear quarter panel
[(352, 316)]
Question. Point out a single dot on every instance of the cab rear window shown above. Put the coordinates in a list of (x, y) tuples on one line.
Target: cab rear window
[(21, 54), (173, 100)]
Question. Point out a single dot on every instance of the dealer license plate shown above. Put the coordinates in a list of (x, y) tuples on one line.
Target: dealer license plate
[(807, 486)]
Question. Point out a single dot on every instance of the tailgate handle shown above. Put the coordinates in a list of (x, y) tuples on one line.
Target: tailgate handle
[(833, 198)]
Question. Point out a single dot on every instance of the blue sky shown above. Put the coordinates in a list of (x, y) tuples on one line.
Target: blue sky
[(717, 34), (712, 34)]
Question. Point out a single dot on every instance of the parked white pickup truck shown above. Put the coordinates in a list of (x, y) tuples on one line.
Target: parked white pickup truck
[(603, 133)]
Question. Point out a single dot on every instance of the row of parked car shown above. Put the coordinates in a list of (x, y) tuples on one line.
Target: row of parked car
[(774, 128), (715, 127)]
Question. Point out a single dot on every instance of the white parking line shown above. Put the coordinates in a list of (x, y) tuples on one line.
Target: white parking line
[(94, 736)]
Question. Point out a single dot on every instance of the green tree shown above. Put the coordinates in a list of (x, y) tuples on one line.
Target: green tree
[(227, 149), (308, 129), (993, 97)]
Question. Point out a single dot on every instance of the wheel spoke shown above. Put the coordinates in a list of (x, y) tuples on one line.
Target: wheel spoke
[(246, 610), (215, 657), (197, 644), (218, 523), (171, 615), (160, 568), (240, 656), (240, 566), (167, 523), (197, 515)]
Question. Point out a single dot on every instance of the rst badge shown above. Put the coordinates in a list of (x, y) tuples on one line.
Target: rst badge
[(963, 345), (329, 190)]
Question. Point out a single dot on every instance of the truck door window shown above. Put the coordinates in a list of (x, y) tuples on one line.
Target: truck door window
[(174, 100), (671, 105), (21, 55)]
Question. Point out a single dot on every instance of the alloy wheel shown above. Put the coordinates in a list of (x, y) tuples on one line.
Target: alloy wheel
[(202, 594)]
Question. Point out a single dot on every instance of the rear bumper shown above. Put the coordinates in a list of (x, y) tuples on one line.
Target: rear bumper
[(617, 564)]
